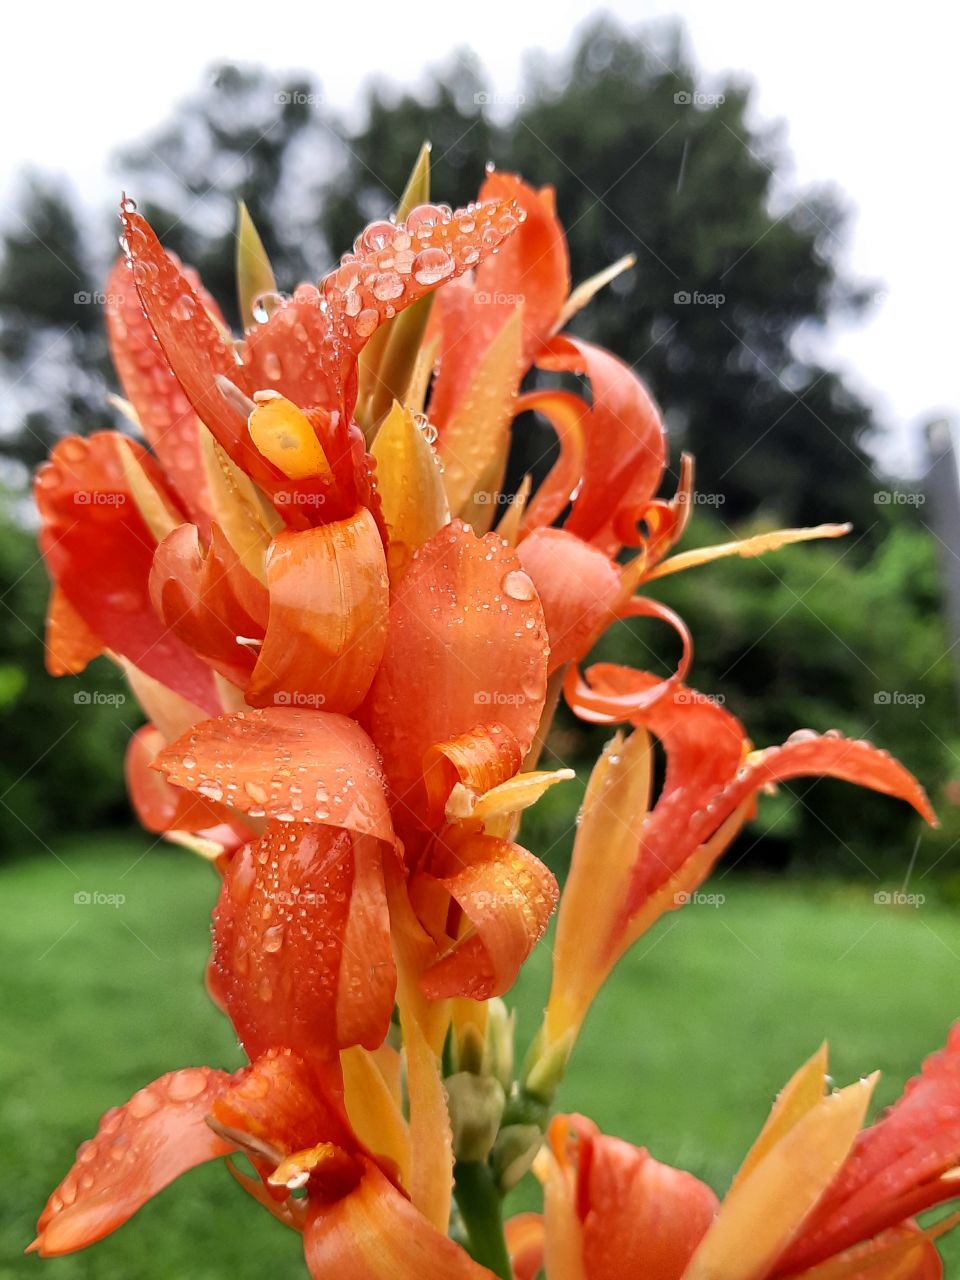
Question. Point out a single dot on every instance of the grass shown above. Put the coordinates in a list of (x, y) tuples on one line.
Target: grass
[(683, 1052)]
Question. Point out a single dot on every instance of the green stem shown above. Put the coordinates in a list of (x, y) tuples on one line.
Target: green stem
[(479, 1203)]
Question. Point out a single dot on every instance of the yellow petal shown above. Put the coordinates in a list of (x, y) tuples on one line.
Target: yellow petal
[(509, 526), (285, 436), (373, 1110), (746, 547), (246, 518), (510, 797), (763, 1213), (605, 849), (254, 273), (475, 441), (799, 1095), (410, 487), (585, 292), (431, 1137), (158, 514), (417, 190)]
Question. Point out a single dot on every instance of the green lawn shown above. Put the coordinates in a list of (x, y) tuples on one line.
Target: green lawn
[(684, 1051)]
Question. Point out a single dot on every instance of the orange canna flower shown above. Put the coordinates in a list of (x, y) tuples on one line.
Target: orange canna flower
[(817, 1196), (632, 861)]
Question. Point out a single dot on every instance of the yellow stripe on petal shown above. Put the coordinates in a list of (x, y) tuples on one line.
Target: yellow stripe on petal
[(474, 443), (410, 485), (158, 514), (605, 850), (247, 520), (799, 1095), (763, 1213), (285, 436), (373, 1111), (746, 547)]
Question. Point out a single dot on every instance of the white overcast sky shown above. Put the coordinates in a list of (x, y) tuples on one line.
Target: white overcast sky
[(868, 94)]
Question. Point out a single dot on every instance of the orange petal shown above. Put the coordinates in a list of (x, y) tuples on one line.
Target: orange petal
[(481, 759), (640, 1217), (280, 1104), (159, 806), (139, 1149), (579, 588), (625, 444), (196, 349), (530, 272), (524, 1234), (392, 266), (598, 706), (466, 647), (286, 763), (569, 417), (903, 1253), (431, 1136), (98, 549), (163, 411), (69, 643), (327, 625), (208, 599), (507, 896), (293, 909), (897, 1164), (375, 1232)]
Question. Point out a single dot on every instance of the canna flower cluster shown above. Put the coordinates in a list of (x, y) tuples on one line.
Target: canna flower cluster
[(349, 645)]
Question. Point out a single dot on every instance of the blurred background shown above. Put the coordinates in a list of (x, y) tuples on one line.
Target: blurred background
[(785, 195)]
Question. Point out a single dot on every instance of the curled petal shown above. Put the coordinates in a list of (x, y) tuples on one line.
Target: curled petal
[(162, 410), (208, 599), (92, 532), (466, 648), (287, 763), (139, 1149), (625, 445), (507, 896), (279, 1106), (294, 909), (374, 1232), (569, 416), (579, 588), (327, 623), (479, 760), (903, 1253), (599, 706)]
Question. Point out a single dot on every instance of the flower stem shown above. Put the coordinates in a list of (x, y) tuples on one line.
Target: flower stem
[(479, 1203)]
